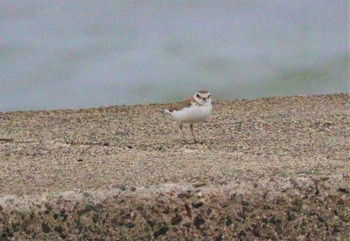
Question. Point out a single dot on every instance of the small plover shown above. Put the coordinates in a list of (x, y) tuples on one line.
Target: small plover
[(192, 110)]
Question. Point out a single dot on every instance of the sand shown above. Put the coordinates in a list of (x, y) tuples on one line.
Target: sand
[(272, 168)]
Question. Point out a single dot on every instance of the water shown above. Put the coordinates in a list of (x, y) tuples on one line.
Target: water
[(86, 53)]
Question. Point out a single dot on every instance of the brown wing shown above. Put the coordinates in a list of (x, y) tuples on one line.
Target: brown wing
[(183, 104)]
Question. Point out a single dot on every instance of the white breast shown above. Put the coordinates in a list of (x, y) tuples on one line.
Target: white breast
[(192, 114)]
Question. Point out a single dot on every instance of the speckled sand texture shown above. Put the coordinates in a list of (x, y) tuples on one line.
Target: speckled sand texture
[(272, 168)]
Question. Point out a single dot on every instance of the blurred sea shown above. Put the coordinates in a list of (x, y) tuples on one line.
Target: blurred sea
[(87, 53)]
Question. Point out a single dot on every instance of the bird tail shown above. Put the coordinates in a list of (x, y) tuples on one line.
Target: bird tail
[(166, 111)]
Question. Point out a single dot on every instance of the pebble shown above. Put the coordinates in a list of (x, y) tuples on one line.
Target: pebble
[(46, 228), (161, 231), (199, 184), (129, 225), (176, 219), (344, 190), (198, 221), (197, 204), (184, 195)]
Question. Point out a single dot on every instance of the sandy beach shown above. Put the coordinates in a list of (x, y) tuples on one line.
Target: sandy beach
[(266, 169)]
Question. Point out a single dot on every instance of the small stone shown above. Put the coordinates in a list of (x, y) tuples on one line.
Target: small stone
[(291, 216), (241, 214), (340, 201), (184, 195), (161, 231), (176, 219), (95, 218), (159, 148), (45, 227), (317, 192), (130, 225), (98, 207), (48, 207), (256, 231), (275, 220), (197, 204), (151, 223), (198, 221), (279, 230), (324, 178), (80, 160), (199, 184), (242, 234), (58, 229), (245, 203), (321, 219), (228, 221), (344, 190), (233, 196), (209, 211), (133, 189)]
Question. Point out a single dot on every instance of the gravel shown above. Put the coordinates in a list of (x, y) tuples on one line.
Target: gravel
[(271, 168)]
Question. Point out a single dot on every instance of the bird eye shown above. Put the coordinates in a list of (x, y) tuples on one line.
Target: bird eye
[(208, 96), (198, 96)]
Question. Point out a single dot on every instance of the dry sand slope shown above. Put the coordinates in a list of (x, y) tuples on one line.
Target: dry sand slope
[(273, 168)]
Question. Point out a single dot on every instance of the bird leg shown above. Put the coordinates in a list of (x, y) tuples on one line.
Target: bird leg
[(182, 133), (194, 138)]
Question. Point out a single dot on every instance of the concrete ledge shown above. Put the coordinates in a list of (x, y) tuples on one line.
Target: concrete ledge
[(301, 208)]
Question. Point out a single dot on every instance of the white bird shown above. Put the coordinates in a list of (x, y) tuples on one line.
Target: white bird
[(192, 110)]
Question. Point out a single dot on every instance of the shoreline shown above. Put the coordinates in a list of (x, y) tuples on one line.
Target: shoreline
[(294, 149), (67, 109)]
